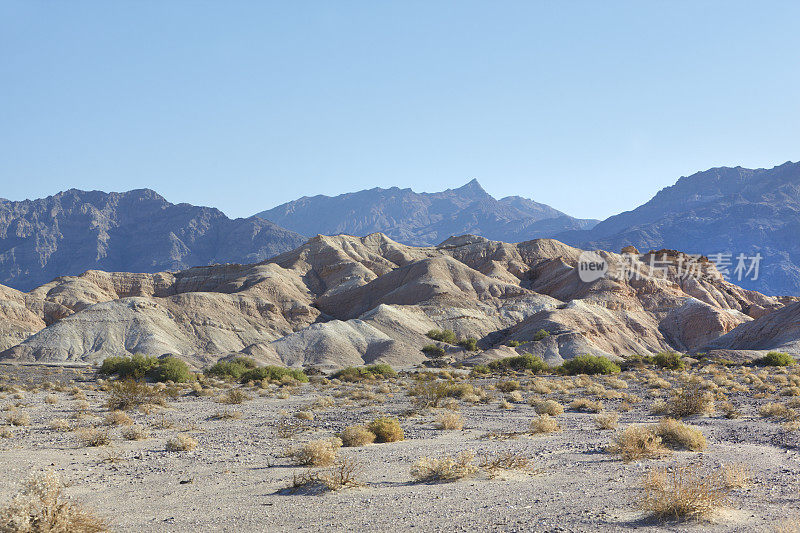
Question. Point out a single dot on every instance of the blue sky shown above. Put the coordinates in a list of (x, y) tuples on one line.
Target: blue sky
[(590, 107)]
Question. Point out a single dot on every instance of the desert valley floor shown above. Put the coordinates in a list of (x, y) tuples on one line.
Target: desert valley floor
[(217, 455)]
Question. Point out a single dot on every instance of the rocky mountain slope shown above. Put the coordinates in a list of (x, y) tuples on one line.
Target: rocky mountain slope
[(344, 300), (424, 219), (722, 210), (135, 231)]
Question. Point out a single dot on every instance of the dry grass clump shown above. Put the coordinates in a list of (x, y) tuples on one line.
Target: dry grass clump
[(584, 404), (304, 415), (60, 424), (6, 433), (118, 418), (51, 399), (547, 407), (606, 420), (321, 452), (94, 437), (544, 424), (683, 493), (450, 421), (354, 436), (181, 443), (226, 414), (386, 429), (18, 418), (444, 469), (233, 397), (135, 432), (691, 400), (41, 506), (514, 396), (777, 410), (637, 442), (679, 436), (507, 386), (735, 476)]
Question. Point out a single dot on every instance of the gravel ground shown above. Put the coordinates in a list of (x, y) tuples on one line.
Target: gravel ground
[(236, 478)]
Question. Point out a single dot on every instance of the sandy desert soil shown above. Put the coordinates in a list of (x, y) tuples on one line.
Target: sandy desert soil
[(236, 479)]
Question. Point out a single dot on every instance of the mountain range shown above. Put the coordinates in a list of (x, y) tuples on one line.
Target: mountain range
[(134, 231), (723, 210), (424, 219)]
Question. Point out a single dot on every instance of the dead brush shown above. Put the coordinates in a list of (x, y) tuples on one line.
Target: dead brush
[(233, 397), (93, 437), (128, 394), (225, 414), (544, 424), (691, 400), (287, 428), (683, 493), (586, 405), (181, 443), (494, 464), (606, 420), (135, 432), (547, 407), (343, 474), (678, 436), (446, 468), (41, 506)]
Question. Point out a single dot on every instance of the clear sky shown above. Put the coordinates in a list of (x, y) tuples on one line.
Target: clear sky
[(590, 107)]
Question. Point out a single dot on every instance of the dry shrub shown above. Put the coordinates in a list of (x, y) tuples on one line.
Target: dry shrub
[(548, 407), (735, 476), (287, 428), (226, 414), (508, 386), (679, 436), (777, 410), (444, 469), (606, 420), (353, 436), (233, 397), (135, 432), (94, 437), (544, 424), (386, 429), (304, 415), (691, 400), (181, 443), (683, 493), (504, 461), (505, 404), (51, 399), (124, 395), (18, 418), (41, 506), (320, 452), (584, 404), (451, 404), (343, 474), (515, 396), (6, 433), (637, 442), (450, 421), (118, 418), (60, 424)]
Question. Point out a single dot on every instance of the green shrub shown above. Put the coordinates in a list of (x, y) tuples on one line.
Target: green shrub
[(273, 373), (233, 369), (590, 364), (512, 344), (134, 367), (432, 350), (669, 360), (143, 366), (775, 359), (469, 344), (442, 335), (479, 370), (352, 373), (525, 361), (541, 334), (171, 369)]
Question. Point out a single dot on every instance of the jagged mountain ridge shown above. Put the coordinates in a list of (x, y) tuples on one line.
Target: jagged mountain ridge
[(135, 231), (423, 219), (721, 210)]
